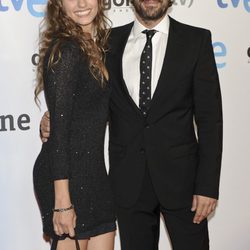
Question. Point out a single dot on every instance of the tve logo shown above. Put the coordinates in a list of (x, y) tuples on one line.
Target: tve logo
[(18, 4), (220, 51), (187, 3), (235, 3)]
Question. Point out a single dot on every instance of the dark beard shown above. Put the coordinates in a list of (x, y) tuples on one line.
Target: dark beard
[(150, 15)]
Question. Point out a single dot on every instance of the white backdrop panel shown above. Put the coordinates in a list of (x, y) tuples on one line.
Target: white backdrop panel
[(19, 117)]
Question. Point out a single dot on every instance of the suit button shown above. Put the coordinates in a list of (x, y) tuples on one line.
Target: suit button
[(142, 150), (147, 126)]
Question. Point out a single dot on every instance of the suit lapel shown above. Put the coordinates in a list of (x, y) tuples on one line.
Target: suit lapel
[(124, 85), (120, 49), (170, 66)]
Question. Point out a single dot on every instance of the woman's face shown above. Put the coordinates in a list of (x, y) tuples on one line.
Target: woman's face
[(82, 12)]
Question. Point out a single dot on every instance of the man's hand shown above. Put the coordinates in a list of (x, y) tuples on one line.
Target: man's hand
[(45, 127), (203, 207)]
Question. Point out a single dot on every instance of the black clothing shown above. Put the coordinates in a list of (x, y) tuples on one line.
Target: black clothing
[(145, 72), (78, 108), (139, 225), (165, 141)]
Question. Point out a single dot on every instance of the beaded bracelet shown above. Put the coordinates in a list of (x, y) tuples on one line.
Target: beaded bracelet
[(63, 209)]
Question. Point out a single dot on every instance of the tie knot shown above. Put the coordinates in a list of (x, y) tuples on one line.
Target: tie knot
[(149, 33)]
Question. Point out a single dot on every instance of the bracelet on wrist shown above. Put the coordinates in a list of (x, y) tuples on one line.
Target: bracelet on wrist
[(63, 209)]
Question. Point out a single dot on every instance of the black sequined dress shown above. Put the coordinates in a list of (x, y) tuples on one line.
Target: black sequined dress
[(78, 108)]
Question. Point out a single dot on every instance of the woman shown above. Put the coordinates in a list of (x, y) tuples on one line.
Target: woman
[(70, 178)]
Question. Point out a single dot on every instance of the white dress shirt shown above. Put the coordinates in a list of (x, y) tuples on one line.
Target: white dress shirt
[(132, 55)]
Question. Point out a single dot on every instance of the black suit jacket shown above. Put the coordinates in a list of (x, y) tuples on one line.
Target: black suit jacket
[(180, 163)]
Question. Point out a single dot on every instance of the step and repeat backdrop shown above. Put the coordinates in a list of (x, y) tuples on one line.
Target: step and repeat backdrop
[(229, 21)]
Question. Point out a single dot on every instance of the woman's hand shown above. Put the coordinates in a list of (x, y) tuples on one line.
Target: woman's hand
[(65, 222)]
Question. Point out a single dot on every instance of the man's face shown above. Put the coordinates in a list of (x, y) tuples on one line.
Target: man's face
[(150, 10)]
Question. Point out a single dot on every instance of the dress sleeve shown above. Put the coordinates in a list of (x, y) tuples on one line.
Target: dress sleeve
[(61, 81)]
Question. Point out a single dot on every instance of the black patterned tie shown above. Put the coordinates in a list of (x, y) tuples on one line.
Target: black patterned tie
[(145, 73)]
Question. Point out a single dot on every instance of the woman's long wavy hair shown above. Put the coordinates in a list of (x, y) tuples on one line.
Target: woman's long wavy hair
[(60, 27), (171, 2)]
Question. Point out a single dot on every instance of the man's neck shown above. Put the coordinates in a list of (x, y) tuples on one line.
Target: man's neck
[(149, 24)]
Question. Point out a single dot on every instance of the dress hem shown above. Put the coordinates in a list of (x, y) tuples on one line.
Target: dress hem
[(101, 229)]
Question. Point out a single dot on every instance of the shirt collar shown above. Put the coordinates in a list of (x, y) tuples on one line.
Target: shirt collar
[(162, 27)]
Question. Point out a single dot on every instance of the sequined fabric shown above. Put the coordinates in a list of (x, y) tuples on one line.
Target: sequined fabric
[(78, 108)]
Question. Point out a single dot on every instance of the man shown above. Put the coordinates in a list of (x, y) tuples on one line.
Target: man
[(163, 77)]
